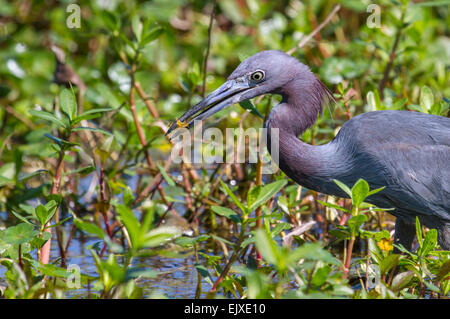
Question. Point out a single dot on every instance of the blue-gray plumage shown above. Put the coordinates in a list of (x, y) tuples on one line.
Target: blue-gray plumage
[(407, 152)]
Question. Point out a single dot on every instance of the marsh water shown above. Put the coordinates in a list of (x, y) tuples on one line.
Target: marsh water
[(175, 277)]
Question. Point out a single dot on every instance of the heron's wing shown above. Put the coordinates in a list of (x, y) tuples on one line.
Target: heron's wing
[(418, 178), (410, 155)]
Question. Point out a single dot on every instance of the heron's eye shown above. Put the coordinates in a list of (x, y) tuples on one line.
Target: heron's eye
[(257, 76)]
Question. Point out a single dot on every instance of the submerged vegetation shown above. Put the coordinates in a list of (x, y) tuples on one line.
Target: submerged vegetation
[(87, 92)]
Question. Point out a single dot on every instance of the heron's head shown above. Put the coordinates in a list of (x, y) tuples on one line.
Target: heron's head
[(265, 72)]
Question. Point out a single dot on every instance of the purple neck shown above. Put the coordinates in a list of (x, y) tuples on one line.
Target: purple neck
[(311, 166)]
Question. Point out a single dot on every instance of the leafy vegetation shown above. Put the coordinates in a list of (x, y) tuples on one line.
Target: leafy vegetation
[(91, 205)]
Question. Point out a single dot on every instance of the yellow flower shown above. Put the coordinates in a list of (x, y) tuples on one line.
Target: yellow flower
[(385, 245)]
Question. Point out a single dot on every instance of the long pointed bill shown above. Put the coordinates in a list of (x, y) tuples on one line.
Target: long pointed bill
[(231, 92)]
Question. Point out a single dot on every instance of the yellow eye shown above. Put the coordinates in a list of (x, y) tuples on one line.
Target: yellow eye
[(257, 76)]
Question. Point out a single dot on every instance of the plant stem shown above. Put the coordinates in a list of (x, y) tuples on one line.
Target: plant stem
[(141, 136), (198, 290), (44, 254), (20, 257), (205, 61), (259, 181), (349, 255), (230, 261), (391, 57), (310, 274), (315, 31), (146, 100), (104, 206), (139, 128)]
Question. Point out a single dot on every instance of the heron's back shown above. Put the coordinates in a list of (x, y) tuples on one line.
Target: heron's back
[(409, 153)]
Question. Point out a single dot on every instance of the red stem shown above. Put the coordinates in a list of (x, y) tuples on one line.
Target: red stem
[(349, 255), (20, 257), (44, 255)]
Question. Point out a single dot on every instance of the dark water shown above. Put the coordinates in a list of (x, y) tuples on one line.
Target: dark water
[(177, 277)]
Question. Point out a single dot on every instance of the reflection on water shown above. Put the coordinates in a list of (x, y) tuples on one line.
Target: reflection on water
[(177, 278)]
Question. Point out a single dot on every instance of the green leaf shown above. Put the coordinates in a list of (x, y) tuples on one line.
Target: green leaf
[(51, 207), (355, 223), (110, 20), (419, 232), (68, 103), (226, 212), (321, 275), (384, 234), (313, 251), (133, 273), (51, 270), (137, 27), (203, 271), (189, 241), (429, 243), (62, 143), (248, 241), (90, 114), (85, 170), (93, 129), (340, 233), (333, 206), (374, 191), (166, 176), (131, 223), (431, 286), (343, 187), (233, 197), (432, 3), (160, 235), (388, 263), (41, 213), (402, 280), (359, 192), (279, 227), (373, 99), (253, 194), (266, 246), (85, 117), (152, 35), (21, 217), (38, 242), (267, 192), (443, 271), (28, 176), (20, 234), (89, 228), (247, 105), (223, 240), (128, 197), (49, 117), (426, 99), (58, 223)]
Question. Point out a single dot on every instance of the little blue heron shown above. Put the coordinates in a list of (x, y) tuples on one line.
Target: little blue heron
[(407, 152)]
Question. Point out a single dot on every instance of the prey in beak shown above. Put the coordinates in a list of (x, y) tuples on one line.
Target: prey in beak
[(231, 92)]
